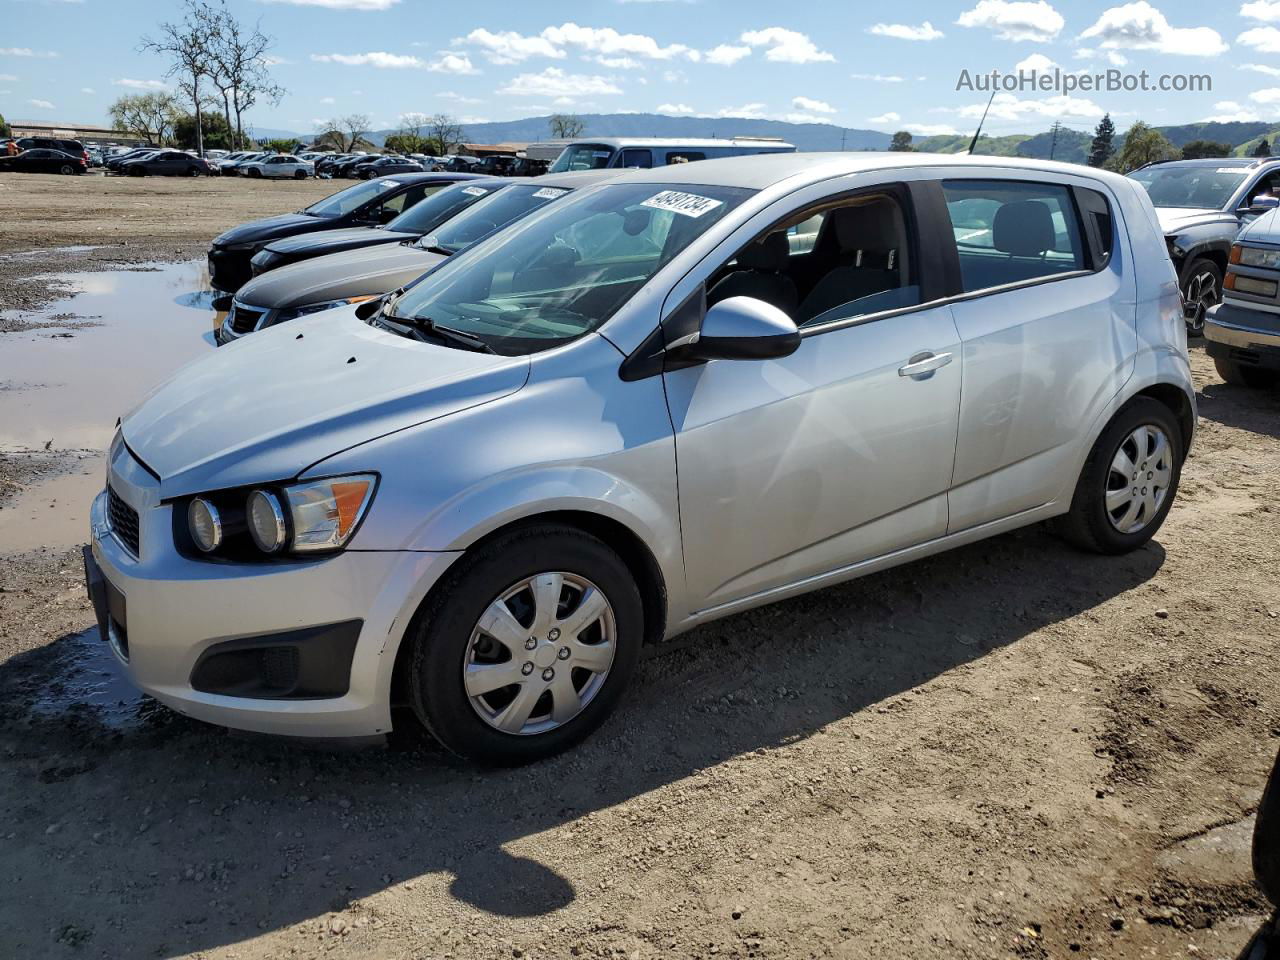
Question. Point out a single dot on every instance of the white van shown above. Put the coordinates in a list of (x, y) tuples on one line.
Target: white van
[(646, 152)]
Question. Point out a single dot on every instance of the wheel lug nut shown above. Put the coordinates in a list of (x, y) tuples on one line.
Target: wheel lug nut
[(564, 653), (527, 668), (532, 642), (548, 674), (553, 633)]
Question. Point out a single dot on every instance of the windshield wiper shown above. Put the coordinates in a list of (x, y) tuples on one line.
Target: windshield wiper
[(435, 249), (421, 327)]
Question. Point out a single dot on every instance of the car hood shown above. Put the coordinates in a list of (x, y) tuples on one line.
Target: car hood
[(354, 273), (1263, 229), (231, 419), (259, 231), (1173, 219), (332, 241)]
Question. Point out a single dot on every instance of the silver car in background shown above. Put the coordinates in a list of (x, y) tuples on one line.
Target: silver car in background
[(277, 166), (667, 398)]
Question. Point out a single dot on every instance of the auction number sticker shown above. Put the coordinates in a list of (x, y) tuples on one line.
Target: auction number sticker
[(686, 204), (1236, 170), (549, 193), (474, 191)]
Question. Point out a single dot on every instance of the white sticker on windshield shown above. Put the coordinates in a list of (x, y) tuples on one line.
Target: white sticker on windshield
[(688, 204), (549, 193), (474, 191), (600, 153), (1236, 170)]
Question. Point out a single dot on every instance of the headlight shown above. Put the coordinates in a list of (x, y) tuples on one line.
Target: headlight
[(326, 512), (1258, 257), (205, 525), (266, 521), (293, 313)]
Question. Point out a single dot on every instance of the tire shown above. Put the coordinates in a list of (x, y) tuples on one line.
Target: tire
[(446, 636), (254, 172), (193, 171), (1090, 524), (1240, 375), (137, 172), (300, 175), (66, 170), (1201, 282)]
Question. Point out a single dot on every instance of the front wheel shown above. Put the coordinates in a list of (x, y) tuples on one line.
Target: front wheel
[(1128, 483), (300, 175), (527, 647), (1201, 289), (1239, 375), (254, 172), (66, 170)]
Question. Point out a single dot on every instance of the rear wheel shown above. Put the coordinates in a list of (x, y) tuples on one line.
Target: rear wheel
[(255, 172), (66, 170), (1128, 483), (193, 171), (1242, 376), (527, 647), (1201, 289)]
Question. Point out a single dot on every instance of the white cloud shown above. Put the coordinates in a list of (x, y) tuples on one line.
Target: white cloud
[(511, 47), (26, 52), (1268, 11), (448, 62), (599, 43), (1228, 111), (1038, 21), (554, 82), (889, 117), (363, 5), (1252, 67), (88, 90), (1113, 57), (675, 109), (458, 98), (270, 60), (1006, 106), (813, 106), (785, 46), (42, 104), (877, 77), (1269, 96), (930, 129), (616, 63), (377, 58), (1140, 26), (1036, 63), (905, 31), (726, 55), (1262, 39), (748, 111), (675, 76), (140, 84)]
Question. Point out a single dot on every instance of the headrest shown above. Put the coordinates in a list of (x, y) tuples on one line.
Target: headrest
[(872, 227), (768, 253), (1023, 228)]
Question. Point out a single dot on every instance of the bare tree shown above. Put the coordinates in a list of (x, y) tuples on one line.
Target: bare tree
[(147, 115), (240, 55), (188, 45), (444, 133), (566, 126), (344, 132), (409, 132)]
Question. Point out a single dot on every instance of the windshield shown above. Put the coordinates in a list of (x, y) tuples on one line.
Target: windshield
[(1204, 187), (554, 277), (343, 202), (582, 156), (428, 214), (509, 203)]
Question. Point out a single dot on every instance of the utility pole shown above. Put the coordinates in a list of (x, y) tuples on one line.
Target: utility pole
[(843, 134), (1053, 144)]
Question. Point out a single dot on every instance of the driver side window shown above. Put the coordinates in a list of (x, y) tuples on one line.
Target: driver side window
[(844, 260)]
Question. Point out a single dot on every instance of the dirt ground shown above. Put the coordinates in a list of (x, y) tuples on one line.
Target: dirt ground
[(1013, 750)]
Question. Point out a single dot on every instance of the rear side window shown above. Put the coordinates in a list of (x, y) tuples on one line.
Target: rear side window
[(1013, 231), (636, 158)]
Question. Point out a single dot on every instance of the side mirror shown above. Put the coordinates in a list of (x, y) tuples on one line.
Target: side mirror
[(740, 328), (1263, 204)]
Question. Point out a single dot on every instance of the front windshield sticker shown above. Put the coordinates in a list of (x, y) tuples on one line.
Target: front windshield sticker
[(687, 204), (600, 153), (549, 193), (475, 191), (1236, 170)]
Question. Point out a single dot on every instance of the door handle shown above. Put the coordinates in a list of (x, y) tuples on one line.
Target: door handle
[(923, 365)]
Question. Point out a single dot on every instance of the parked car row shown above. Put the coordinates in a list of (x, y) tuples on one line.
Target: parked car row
[(512, 430)]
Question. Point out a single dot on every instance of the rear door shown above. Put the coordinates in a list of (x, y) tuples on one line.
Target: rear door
[(1046, 316)]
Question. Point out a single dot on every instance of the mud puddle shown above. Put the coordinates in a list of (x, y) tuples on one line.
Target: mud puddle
[(63, 389), (93, 684)]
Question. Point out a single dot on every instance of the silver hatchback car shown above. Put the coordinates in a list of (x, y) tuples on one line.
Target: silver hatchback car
[(665, 399)]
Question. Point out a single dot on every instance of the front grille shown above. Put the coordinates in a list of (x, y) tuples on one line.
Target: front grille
[(243, 319), (123, 519)]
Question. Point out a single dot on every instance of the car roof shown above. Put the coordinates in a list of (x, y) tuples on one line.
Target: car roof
[(1215, 162), (679, 142), (415, 177), (761, 170), (576, 178)]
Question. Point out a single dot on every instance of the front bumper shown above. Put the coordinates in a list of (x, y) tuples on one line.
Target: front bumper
[(176, 609), (1248, 337), (229, 270)]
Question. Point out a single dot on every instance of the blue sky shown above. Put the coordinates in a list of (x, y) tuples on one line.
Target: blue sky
[(876, 66)]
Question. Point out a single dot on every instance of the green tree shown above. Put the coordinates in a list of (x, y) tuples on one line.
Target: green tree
[(150, 116), (566, 126), (901, 142), (403, 143), (217, 135), (1103, 146), (1263, 149), (4, 127), (1200, 149), (280, 145), (1143, 144)]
